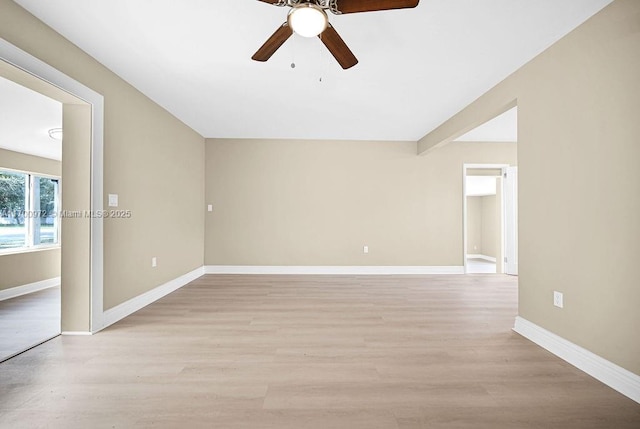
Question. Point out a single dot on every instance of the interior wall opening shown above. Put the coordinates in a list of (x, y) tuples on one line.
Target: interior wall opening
[(30, 201), (69, 275), (490, 203)]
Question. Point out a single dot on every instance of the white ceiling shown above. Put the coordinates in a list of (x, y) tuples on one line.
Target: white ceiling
[(417, 67), (502, 128), (26, 117)]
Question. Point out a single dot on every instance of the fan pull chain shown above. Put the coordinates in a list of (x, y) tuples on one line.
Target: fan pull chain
[(293, 52), (322, 60)]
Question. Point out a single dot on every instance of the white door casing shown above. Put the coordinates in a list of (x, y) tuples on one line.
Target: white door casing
[(510, 180)]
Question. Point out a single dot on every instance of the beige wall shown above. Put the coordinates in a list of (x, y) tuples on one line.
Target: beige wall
[(484, 226), (29, 163), (76, 232), (490, 226), (578, 109), (152, 160), (474, 225), (287, 202), (19, 269)]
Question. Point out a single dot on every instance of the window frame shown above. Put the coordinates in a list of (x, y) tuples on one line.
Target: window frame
[(29, 221)]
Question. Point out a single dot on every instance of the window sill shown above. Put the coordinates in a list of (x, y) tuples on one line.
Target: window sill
[(19, 250)]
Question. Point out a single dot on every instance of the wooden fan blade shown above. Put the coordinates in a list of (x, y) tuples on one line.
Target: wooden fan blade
[(338, 48), (270, 1), (355, 6), (273, 43)]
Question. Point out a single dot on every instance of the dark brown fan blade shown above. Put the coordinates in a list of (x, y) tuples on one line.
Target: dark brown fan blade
[(354, 6), (273, 43), (270, 1), (338, 48)]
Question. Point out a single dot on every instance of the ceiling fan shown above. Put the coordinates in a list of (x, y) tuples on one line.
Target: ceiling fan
[(309, 19)]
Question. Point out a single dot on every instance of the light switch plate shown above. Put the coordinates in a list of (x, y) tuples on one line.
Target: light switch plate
[(113, 200), (210, 207)]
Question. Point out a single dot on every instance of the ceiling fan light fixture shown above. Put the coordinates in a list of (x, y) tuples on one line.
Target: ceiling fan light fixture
[(55, 134), (308, 20)]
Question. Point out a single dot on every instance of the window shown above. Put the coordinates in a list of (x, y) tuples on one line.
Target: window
[(28, 210), (13, 200)]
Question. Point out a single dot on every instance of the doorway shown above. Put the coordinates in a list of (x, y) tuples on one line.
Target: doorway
[(81, 277), (30, 184), (490, 218)]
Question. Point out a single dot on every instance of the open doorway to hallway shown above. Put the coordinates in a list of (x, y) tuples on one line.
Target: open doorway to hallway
[(484, 219), (490, 203)]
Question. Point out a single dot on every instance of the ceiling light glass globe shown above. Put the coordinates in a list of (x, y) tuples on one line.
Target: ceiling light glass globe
[(55, 134), (307, 20)]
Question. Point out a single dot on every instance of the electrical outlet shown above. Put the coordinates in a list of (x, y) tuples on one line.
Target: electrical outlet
[(365, 249), (113, 200), (154, 262), (210, 207), (558, 299)]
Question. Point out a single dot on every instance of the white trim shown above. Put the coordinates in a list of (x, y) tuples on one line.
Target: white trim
[(32, 65), (77, 333), (485, 166), (465, 233), (97, 229), (510, 220), (612, 375), (479, 256), (17, 291), (22, 250), (123, 310), (335, 270)]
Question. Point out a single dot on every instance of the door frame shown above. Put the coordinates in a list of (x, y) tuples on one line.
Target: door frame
[(510, 210), (26, 62), (466, 167)]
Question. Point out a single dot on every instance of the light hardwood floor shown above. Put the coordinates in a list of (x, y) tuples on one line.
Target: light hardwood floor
[(28, 320), (311, 352)]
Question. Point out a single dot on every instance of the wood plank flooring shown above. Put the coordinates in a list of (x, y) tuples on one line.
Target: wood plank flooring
[(311, 352), (28, 320)]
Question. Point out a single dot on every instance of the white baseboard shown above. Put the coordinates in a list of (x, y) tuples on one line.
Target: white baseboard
[(612, 375), (123, 310), (483, 257), (30, 288), (76, 333), (331, 270)]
